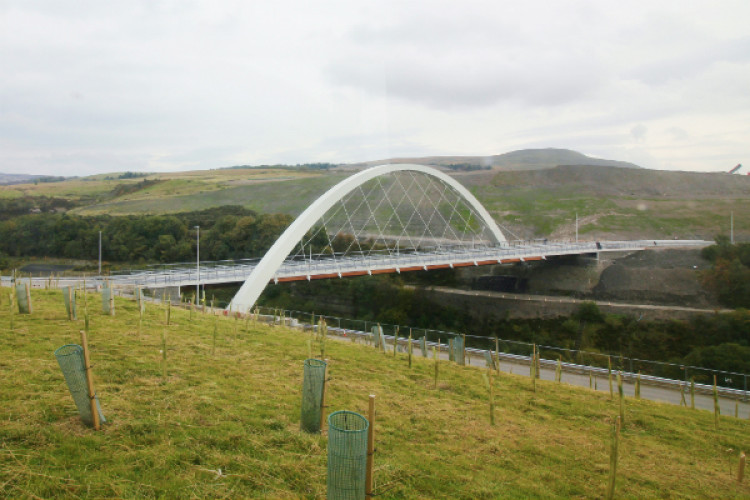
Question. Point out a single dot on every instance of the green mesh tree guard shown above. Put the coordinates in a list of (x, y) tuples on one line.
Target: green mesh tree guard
[(108, 304), (139, 298), (423, 346), (458, 350), (23, 298), (377, 336), (347, 455), (69, 297), (312, 394), (70, 359), (489, 360)]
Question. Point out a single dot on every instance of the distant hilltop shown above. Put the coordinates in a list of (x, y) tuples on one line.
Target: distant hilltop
[(523, 159), (26, 178)]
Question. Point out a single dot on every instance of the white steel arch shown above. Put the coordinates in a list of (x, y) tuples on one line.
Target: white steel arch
[(274, 258)]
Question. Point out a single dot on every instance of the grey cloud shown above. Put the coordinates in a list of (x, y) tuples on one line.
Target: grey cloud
[(694, 61), (469, 79), (639, 132)]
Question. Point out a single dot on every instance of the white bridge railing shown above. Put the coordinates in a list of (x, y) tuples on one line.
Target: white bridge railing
[(184, 274)]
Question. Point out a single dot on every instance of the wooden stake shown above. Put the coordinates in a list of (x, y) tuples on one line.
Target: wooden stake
[(717, 410), (613, 457), (395, 341), (370, 447), (638, 386), (497, 355), (741, 471), (90, 381), (28, 293), (323, 399), (692, 393), (70, 303), (435, 354), (410, 347), (463, 349)]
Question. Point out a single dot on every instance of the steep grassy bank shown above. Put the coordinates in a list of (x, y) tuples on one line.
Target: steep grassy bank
[(227, 424)]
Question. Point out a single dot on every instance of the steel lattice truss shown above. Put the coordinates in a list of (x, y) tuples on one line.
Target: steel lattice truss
[(404, 211)]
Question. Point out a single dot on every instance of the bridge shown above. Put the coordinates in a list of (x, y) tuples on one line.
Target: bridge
[(384, 219)]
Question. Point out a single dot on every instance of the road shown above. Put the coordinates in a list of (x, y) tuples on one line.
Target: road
[(666, 391)]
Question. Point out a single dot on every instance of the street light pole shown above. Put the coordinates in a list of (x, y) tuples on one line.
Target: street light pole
[(198, 263)]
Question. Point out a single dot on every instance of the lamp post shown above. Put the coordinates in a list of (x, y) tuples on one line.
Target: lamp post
[(198, 263)]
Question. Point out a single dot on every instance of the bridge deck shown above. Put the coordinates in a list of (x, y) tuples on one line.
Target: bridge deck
[(358, 265)]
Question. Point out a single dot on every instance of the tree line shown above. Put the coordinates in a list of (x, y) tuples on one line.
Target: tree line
[(729, 275), (718, 341), (229, 232)]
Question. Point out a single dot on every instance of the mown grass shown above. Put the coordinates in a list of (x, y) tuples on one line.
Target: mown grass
[(227, 425)]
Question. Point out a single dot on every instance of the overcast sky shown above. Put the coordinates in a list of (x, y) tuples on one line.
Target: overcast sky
[(106, 86)]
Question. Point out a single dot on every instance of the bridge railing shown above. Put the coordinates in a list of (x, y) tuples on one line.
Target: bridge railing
[(185, 273)]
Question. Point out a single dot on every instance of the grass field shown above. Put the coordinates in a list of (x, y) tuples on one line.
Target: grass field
[(226, 424)]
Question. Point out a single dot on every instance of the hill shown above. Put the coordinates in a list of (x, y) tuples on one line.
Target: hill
[(531, 193), (19, 178), (221, 418), (523, 159), (613, 202)]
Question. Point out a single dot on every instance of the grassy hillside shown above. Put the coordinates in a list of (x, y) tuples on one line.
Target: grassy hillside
[(614, 202), (537, 201), (227, 423)]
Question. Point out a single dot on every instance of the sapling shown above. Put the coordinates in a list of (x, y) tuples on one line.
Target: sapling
[(169, 310), (609, 371), (558, 371)]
